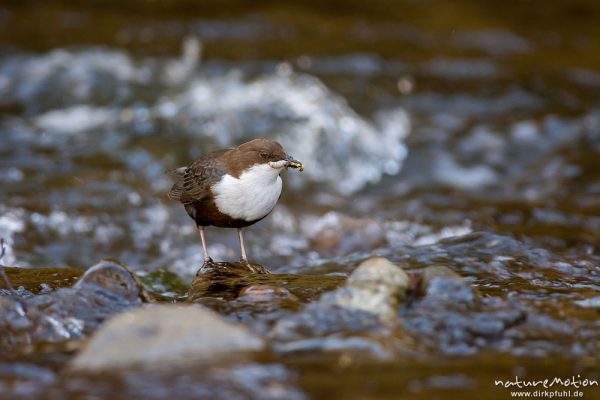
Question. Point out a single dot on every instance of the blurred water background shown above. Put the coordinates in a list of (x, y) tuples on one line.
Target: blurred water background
[(461, 133)]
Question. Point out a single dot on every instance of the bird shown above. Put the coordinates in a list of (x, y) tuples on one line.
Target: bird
[(232, 188)]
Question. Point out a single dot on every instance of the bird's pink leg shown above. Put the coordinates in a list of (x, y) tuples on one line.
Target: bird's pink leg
[(242, 249), (207, 258)]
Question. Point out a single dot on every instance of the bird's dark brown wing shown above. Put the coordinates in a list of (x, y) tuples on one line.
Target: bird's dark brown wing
[(192, 184)]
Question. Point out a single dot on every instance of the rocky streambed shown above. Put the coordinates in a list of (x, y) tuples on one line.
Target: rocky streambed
[(387, 329), (444, 234)]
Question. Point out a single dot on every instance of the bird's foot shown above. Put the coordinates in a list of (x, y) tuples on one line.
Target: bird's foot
[(252, 267), (208, 260), (245, 262)]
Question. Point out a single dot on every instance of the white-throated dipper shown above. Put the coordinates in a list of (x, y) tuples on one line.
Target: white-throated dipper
[(232, 188)]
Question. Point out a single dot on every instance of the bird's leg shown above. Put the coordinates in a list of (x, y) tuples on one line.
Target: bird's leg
[(242, 249), (207, 258)]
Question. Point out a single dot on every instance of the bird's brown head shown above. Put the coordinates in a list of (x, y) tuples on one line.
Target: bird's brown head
[(263, 151)]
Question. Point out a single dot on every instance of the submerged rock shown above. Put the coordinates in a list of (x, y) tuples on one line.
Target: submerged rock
[(39, 280), (22, 375), (163, 335), (359, 316), (261, 300), (440, 283), (225, 279), (266, 293), (376, 287), (105, 289), (228, 380), (453, 318), (368, 315)]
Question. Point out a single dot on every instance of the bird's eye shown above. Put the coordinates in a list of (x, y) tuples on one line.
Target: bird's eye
[(264, 154)]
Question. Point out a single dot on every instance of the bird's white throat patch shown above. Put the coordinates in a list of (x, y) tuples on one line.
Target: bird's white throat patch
[(251, 196)]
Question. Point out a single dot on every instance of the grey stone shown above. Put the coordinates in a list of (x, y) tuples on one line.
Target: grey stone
[(375, 287), (453, 318), (441, 284), (366, 305), (380, 271), (105, 289), (163, 335)]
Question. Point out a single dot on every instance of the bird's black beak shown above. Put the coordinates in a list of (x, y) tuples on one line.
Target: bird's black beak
[(293, 163)]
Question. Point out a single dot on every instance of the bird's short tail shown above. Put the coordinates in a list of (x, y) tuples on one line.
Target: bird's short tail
[(177, 189)]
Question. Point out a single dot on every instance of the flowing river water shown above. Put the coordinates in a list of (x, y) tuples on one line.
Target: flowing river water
[(459, 134)]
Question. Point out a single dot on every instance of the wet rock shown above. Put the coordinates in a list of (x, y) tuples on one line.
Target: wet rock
[(162, 335), (265, 293), (370, 297), (378, 273), (12, 314), (260, 306), (428, 274), (105, 289), (376, 287), (452, 318), (26, 373), (366, 307), (264, 299), (258, 300), (225, 279), (543, 335), (164, 285), (115, 278), (440, 283), (337, 234)]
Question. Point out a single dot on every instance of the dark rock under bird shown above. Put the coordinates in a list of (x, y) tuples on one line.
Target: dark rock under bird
[(232, 188)]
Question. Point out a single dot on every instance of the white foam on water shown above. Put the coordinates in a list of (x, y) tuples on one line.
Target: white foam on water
[(76, 119), (449, 172), (337, 146), (12, 222), (89, 94), (63, 77), (62, 223)]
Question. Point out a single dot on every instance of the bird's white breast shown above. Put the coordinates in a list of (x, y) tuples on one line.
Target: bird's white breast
[(251, 196)]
